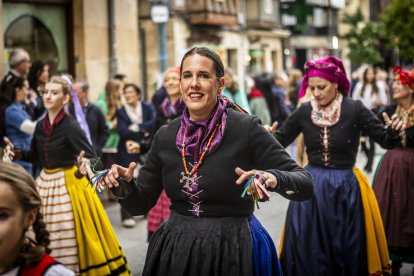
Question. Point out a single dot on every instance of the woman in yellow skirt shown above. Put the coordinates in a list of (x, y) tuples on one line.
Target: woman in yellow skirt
[(81, 234)]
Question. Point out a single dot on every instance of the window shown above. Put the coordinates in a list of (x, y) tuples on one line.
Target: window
[(30, 33), (289, 20), (42, 30), (179, 3), (319, 18), (232, 59), (268, 6)]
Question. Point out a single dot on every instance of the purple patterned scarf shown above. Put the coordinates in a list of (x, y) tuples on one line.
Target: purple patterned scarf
[(170, 110), (197, 133)]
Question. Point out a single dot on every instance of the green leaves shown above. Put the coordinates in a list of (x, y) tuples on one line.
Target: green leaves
[(363, 39), (399, 25)]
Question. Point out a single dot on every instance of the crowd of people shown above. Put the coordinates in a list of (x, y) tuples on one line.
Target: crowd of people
[(185, 158)]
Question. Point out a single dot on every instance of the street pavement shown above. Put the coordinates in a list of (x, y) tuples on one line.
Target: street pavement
[(271, 214)]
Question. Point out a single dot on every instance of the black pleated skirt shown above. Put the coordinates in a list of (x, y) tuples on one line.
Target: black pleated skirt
[(186, 245)]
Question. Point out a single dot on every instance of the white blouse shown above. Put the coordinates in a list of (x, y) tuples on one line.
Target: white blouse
[(369, 97)]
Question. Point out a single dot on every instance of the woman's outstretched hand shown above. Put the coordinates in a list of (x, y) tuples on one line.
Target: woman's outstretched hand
[(82, 162), (117, 171), (394, 122), (268, 179)]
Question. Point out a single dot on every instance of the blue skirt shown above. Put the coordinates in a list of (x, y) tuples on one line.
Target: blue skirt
[(185, 245), (326, 235), (265, 261)]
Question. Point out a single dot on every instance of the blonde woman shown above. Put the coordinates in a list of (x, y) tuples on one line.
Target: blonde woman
[(81, 235)]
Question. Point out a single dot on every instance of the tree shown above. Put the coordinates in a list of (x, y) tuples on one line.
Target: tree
[(363, 39), (398, 20)]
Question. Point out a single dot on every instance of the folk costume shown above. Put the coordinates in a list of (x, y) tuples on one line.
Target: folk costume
[(339, 231), (47, 266), (166, 112), (394, 186), (81, 234), (211, 230)]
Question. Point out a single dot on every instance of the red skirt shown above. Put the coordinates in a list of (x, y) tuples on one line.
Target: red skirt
[(159, 213), (394, 189)]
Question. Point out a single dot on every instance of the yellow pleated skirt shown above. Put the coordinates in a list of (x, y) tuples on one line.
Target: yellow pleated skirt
[(377, 250), (82, 237)]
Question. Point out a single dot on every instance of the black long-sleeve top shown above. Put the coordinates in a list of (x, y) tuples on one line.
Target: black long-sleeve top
[(343, 137), (145, 131), (245, 144), (61, 148)]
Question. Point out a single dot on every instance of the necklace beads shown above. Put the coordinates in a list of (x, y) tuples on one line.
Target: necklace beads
[(203, 154)]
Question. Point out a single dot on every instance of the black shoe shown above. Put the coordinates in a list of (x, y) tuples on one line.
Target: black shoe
[(395, 268), (364, 147)]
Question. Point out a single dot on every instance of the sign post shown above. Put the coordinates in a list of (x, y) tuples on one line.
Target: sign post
[(160, 15)]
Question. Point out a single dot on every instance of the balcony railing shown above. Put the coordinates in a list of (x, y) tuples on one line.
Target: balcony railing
[(213, 12)]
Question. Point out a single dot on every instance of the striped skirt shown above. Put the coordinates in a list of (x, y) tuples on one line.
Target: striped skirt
[(81, 235)]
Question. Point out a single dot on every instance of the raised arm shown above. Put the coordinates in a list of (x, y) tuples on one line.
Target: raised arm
[(293, 182), (290, 129), (387, 137), (140, 195)]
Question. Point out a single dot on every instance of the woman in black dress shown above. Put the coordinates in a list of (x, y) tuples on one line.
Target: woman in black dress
[(198, 159), (339, 231)]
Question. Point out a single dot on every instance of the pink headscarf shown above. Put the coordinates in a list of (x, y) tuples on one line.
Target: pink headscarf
[(172, 69), (329, 68)]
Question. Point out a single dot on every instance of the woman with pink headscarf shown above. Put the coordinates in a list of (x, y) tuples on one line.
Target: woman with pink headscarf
[(339, 231)]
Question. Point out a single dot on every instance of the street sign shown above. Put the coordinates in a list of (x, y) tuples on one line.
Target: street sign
[(159, 13)]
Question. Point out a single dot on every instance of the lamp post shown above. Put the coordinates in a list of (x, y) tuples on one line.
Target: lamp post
[(335, 45), (160, 15)]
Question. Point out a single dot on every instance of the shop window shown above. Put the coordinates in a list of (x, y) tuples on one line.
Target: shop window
[(274, 61), (232, 59), (256, 61), (30, 33)]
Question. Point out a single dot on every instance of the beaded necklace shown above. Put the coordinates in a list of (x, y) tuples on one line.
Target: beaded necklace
[(408, 119), (200, 161)]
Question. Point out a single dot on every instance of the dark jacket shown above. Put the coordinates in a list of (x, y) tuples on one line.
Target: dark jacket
[(144, 134), (97, 125)]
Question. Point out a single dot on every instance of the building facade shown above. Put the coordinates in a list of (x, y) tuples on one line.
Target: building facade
[(313, 24), (91, 40), (94, 39), (247, 34)]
